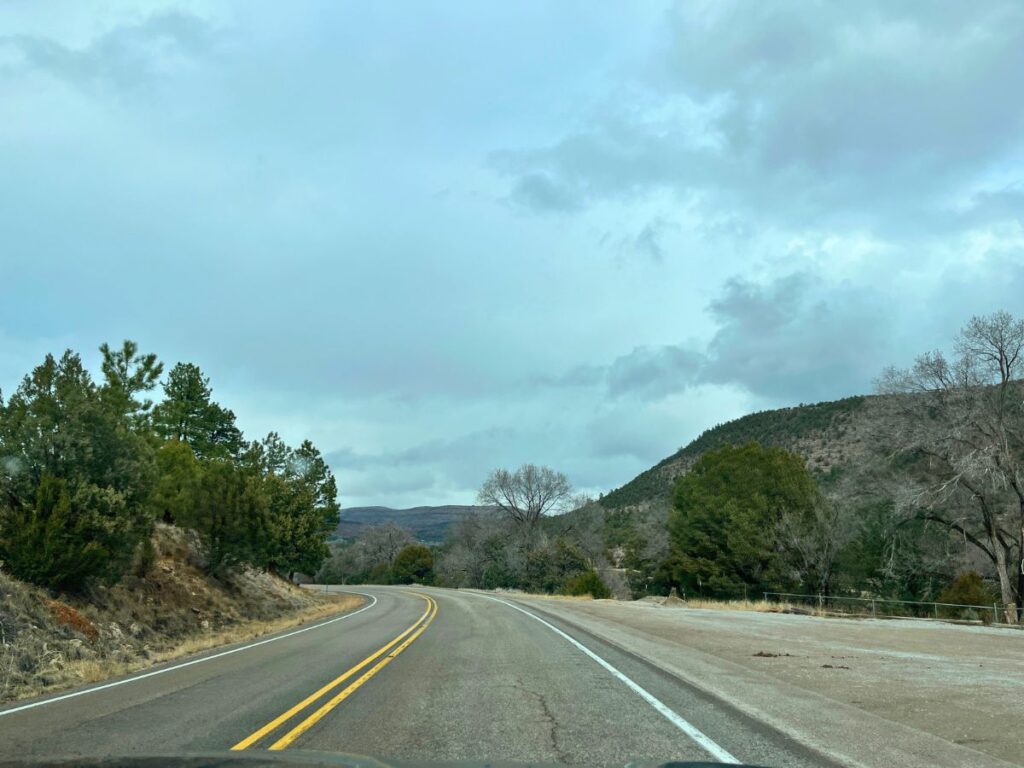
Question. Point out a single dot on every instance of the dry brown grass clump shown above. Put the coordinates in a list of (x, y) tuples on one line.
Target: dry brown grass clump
[(759, 606), (66, 616)]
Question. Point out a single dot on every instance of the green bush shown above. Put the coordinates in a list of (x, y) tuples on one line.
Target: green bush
[(587, 583), (414, 563), (58, 542)]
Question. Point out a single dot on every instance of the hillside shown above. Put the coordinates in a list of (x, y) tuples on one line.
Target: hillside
[(52, 641), (827, 435), (428, 524)]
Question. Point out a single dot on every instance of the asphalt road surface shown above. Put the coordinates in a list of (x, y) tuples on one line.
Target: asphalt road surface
[(421, 674)]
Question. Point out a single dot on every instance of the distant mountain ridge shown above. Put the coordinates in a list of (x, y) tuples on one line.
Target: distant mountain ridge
[(428, 524), (827, 435)]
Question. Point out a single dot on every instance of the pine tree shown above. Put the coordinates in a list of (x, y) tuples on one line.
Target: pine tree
[(188, 414)]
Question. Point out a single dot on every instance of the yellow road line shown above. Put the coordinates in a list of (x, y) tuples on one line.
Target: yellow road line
[(310, 721), (277, 721)]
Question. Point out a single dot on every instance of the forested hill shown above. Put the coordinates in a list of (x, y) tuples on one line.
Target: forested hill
[(827, 435), (427, 524)]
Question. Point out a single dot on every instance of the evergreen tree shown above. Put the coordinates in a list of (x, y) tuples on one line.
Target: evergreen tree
[(301, 494), (84, 473), (229, 512), (50, 542), (127, 374), (177, 482), (188, 414), (74, 474), (724, 525)]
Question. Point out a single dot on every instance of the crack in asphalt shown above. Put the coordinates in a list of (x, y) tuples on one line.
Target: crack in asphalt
[(563, 756)]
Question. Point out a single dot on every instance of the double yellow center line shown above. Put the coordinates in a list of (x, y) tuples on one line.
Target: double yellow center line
[(403, 641)]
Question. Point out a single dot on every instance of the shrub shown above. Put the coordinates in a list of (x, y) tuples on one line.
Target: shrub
[(967, 589), (587, 583), (62, 541), (414, 563)]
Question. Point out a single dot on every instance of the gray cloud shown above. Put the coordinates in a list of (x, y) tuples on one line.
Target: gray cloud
[(654, 372), (868, 116), (792, 338), (541, 192), (795, 338), (649, 240), (124, 57)]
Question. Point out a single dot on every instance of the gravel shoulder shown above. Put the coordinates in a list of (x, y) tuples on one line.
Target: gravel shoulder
[(867, 692)]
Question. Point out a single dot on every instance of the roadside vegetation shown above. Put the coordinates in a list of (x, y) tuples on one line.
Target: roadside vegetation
[(50, 641), (89, 469), (914, 493), (517, 545)]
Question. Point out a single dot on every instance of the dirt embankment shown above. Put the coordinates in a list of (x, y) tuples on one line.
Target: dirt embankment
[(50, 642)]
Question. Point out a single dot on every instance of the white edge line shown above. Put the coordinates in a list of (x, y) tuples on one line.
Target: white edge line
[(44, 702), (698, 736)]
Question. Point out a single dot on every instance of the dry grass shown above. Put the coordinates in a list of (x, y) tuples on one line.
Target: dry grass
[(175, 610), (68, 617), (758, 606), (93, 671)]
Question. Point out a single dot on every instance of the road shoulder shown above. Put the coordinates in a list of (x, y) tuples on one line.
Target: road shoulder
[(678, 644)]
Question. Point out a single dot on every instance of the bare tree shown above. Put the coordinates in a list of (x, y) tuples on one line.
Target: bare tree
[(380, 544), (475, 544), (815, 539), (958, 432), (369, 556), (527, 494)]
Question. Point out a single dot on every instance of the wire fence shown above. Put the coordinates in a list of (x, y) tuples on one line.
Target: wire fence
[(887, 607)]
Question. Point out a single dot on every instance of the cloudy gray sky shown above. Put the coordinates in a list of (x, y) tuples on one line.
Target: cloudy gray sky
[(437, 238)]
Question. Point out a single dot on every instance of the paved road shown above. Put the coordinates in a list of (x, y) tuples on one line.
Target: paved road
[(417, 674)]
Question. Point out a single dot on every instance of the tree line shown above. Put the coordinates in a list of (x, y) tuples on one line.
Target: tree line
[(517, 543), (87, 468), (933, 510)]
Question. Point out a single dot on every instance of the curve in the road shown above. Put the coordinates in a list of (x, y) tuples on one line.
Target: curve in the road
[(408, 635), (190, 663)]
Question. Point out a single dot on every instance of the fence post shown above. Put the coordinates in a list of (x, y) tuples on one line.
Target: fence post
[(765, 595), (936, 607), (872, 607), (995, 613)]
